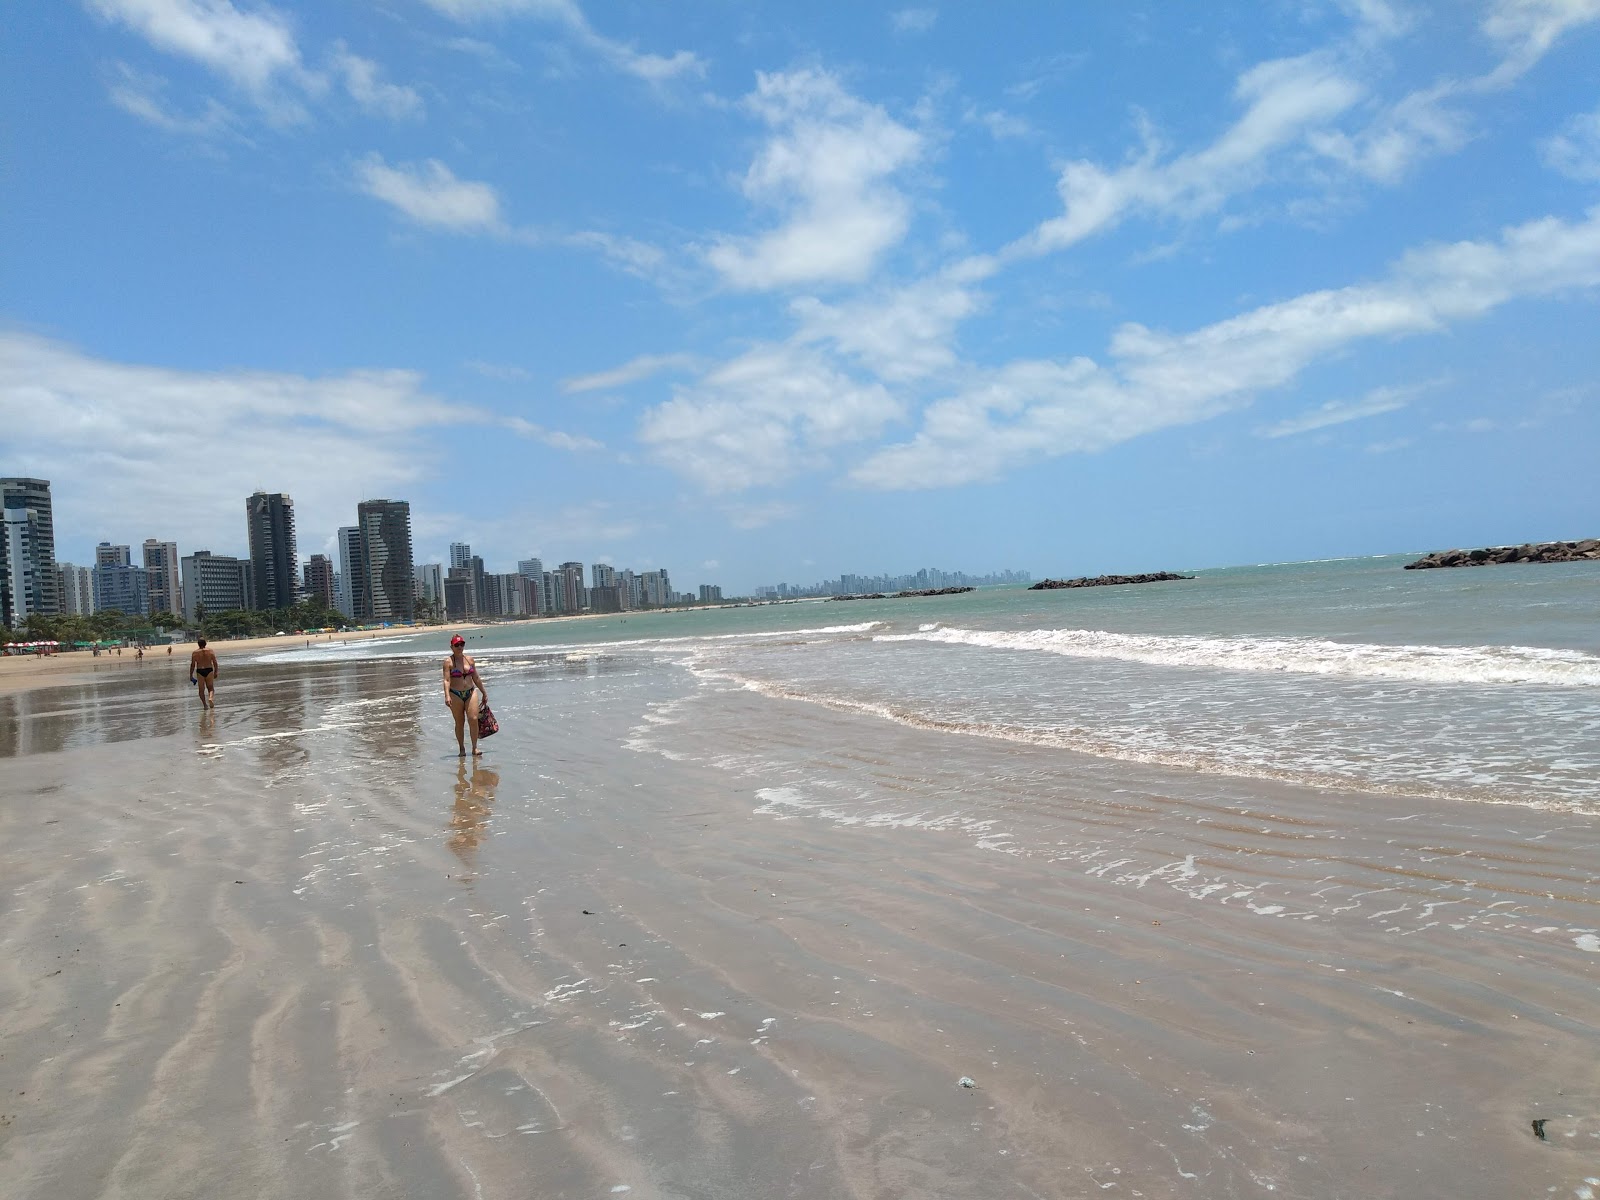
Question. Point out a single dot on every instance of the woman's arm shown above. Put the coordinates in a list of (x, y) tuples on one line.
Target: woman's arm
[(444, 673)]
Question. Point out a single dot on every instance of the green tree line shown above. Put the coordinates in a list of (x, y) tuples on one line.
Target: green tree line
[(114, 625)]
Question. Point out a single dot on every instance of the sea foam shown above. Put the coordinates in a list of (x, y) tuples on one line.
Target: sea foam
[(1308, 656)]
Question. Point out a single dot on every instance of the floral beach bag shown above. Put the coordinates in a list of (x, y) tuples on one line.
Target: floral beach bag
[(487, 725)]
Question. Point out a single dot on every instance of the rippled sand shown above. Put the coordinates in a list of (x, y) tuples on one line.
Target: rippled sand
[(680, 940)]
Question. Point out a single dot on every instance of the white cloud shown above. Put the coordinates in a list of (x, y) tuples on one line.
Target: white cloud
[(653, 68), (191, 445), (362, 80), (430, 194), (762, 417), (1529, 29), (1374, 403), (1029, 410), (250, 48), (144, 96), (826, 169), (900, 334), (504, 372), (1284, 99), (759, 516), (629, 372), (553, 438), (913, 20), (1575, 150), (1390, 446)]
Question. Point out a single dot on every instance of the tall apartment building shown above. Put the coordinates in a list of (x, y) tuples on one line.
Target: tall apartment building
[(460, 554), (552, 597), (710, 593), (274, 562), (28, 582), (390, 584), (215, 583), (602, 575), (459, 602), (656, 589), (352, 573), (319, 580), (627, 590), (118, 583), (430, 586), (574, 598), (531, 568), (75, 587), (161, 572)]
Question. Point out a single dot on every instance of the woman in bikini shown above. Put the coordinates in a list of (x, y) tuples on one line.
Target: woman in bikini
[(462, 687)]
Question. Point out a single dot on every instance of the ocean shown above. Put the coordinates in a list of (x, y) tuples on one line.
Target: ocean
[(1466, 685)]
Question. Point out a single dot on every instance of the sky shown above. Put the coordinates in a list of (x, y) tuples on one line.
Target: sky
[(775, 292)]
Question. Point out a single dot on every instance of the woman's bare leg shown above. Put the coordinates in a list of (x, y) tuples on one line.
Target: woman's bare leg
[(459, 710), (472, 720)]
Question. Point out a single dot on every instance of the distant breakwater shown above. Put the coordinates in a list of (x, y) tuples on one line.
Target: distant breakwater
[(1046, 585), (949, 591), (1587, 550)]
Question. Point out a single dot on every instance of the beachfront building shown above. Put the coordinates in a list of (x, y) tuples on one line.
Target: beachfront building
[(214, 583), (602, 575), (320, 580), (118, 583), (530, 568), (460, 554), (656, 589), (574, 596), (352, 574), (75, 587), (161, 571), (274, 564), (458, 598), (28, 570), (710, 593), (390, 583), (430, 587)]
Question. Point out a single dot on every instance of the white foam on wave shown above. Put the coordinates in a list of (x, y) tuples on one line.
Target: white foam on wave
[(1307, 656)]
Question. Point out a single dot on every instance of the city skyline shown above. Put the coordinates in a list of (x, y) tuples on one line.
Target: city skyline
[(1091, 288)]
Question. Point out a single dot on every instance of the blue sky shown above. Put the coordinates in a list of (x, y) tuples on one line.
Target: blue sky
[(779, 291)]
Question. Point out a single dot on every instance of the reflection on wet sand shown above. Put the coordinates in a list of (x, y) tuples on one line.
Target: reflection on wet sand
[(469, 819)]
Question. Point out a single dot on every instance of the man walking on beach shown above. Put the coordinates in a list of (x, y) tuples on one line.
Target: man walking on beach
[(203, 674)]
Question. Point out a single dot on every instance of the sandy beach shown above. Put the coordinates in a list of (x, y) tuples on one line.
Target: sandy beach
[(667, 940)]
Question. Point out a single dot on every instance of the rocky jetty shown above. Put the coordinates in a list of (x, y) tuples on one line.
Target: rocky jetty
[(949, 591), (1587, 550), (1045, 585)]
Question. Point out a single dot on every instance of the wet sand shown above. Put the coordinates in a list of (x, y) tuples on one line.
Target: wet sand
[(673, 940)]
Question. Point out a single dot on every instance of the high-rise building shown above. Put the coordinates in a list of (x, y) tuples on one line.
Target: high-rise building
[(75, 587), (118, 583), (627, 590), (430, 586), (385, 527), (274, 562), (710, 593), (458, 599), (532, 568), (352, 573), (552, 596), (215, 583), (657, 589), (161, 572), (319, 580), (460, 554), (574, 595), (602, 575), (28, 569)]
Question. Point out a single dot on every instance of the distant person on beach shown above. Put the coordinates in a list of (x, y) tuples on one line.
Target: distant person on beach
[(462, 687), (203, 674)]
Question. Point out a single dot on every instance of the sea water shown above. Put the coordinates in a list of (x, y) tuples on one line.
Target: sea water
[(1469, 684)]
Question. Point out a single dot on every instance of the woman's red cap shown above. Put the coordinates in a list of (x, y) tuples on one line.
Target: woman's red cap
[(458, 640)]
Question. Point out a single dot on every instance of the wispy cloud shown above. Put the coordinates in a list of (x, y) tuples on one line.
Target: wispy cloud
[(653, 68), (504, 372), (826, 170), (913, 20), (554, 438), (430, 194), (1575, 150), (632, 371), (1028, 410), (1336, 412), (363, 80)]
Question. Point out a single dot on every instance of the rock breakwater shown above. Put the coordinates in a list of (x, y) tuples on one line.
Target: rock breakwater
[(949, 591), (1587, 550), (1045, 585)]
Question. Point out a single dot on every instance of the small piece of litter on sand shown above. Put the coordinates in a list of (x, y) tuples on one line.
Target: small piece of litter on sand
[(967, 1081)]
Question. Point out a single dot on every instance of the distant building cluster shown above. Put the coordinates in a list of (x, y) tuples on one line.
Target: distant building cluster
[(466, 591), (855, 585), (375, 579)]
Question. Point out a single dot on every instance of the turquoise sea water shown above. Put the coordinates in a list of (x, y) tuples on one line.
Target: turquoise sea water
[(1475, 684)]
